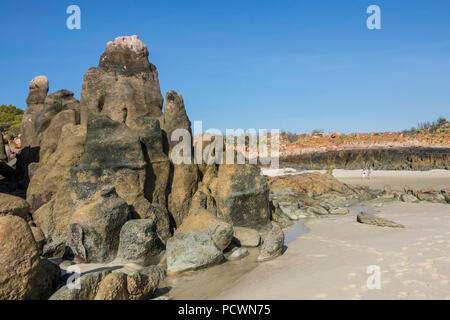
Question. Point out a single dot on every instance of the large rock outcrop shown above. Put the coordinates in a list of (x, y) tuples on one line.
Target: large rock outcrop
[(124, 86)]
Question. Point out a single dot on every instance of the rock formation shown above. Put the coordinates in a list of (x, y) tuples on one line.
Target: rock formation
[(101, 186)]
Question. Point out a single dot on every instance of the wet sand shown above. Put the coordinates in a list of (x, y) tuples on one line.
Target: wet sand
[(207, 283), (331, 261)]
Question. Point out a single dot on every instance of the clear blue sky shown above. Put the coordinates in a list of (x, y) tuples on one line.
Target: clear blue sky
[(295, 65)]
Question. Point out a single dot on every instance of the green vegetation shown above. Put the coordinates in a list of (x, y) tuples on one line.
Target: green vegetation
[(317, 132), (437, 126), (10, 119)]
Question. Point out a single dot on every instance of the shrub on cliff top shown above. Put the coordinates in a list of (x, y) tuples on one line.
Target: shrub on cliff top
[(10, 119)]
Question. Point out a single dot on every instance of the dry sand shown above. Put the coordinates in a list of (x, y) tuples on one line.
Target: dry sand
[(331, 261)]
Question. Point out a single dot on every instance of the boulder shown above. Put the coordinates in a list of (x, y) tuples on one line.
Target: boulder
[(142, 284), (191, 251), (430, 194), (113, 287), (243, 196), (12, 205), (371, 219), (200, 220), (246, 237), (54, 217), (139, 243), (273, 243), (158, 213), (339, 211), (446, 193), (238, 254), (407, 197), (100, 221), (89, 285), (23, 274)]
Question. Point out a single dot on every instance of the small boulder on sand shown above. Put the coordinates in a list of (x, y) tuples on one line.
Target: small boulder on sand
[(371, 219), (191, 251), (273, 243), (246, 237)]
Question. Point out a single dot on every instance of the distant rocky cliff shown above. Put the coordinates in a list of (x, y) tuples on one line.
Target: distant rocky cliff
[(414, 158)]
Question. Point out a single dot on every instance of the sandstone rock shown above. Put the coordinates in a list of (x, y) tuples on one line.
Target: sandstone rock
[(89, 285), (184, 186), (430, 194), (101, 221), (238, 253), (289, 210), (54, 217), (407, 197), (23, 275), (39, 237), (139, 243), (125, 85), (273, 243), (446, 194), (142, 284), (12, 205), (339, 211), (54, 248), (175, 117), (53, 174), (191, 251), (200, 220), (408, 190), (37, 93), (310, 184), (317, 211), (371, 219), (113, 287), (246, 237), (243, 196)]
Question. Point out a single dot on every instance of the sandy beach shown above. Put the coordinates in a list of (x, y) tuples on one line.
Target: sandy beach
[(331, 261), (397, 179)]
